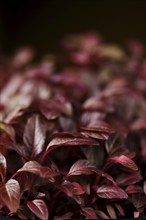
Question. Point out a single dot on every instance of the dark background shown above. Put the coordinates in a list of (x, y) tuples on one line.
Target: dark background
[(42, 23)]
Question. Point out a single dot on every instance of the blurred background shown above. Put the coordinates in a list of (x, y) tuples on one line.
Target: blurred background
[(42, 23)]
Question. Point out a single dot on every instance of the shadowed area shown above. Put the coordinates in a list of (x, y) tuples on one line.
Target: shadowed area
[(42, 23)]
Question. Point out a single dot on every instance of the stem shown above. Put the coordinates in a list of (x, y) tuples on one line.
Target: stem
[(2, 177), (15, 174), (43, 156)]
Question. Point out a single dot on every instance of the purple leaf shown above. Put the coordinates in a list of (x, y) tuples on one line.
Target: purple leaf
[(93, 134), (107, 176), (127, 179), (111, 192), (3, 165), (81, 167), (98, 126), (120, 209), (44, 171), (84, 167), (89, 213), (10, 194), (124, 161), (39, 208), (72, 188), (31, 167), (48, 173), (69, 139), (54, 108), (34, 135), (139, 124), (132, 189)]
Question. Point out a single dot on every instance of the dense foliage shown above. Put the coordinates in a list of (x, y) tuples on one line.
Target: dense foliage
[(72, 132)]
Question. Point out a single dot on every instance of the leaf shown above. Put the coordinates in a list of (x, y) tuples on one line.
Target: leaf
[(138, 200), (126, 179), (5, 141), (99, 126), (107, 176), (31, 167), (111, 192), (136, 214), (55, 107), (96, 128), (36, 168), (132, 189), (10, 194), (89, 213), (16, 113), (8, 128), (34, 135), (84, 167), (3, 165), (111, 212), (48, 173), (39, 208), (120, 209), (112, 52), (69, 139), (81, 167), (102, 214), (93, 134), (124, 161), (73, 188)]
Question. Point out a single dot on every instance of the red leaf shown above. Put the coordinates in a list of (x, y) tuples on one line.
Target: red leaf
[(102, 214), (31, 167), (36, 168), (89, 213), (111, 192), (107, 176), (34, 135), (132, 189), (111, 212), (53, 108), (10, 194), (126, 179), (139, 124), (8, 91), (124, 161), (120, 209), (69, 139), (17, 112), (48, 173), (39, 208), (3, 165), (81, 167), (93, 134), (99, 126), (8, 128), (5, 141), (84, 167), (79, 199), (73, 188)]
